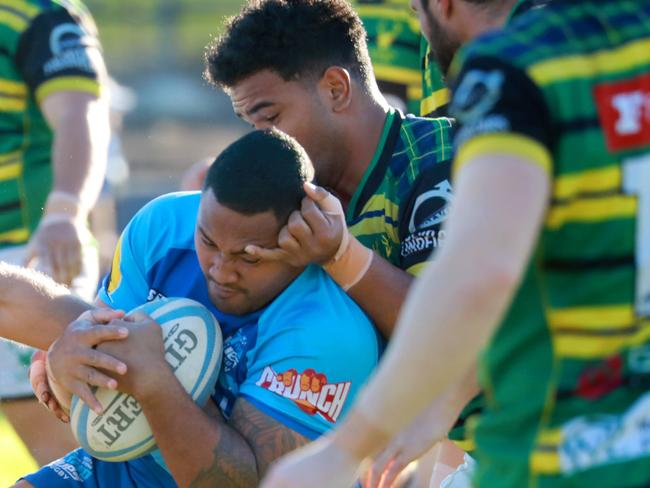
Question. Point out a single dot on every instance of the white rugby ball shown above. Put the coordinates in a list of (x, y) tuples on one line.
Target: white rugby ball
[(193, 346)]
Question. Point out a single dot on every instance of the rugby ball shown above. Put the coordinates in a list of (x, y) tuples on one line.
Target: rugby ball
[(193, 346)]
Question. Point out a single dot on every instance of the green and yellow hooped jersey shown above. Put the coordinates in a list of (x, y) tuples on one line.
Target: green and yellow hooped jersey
[(435, 94), (47, 47), (394, 46), (567, 374)]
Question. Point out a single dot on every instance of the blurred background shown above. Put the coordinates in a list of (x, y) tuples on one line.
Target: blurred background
[(171, 117)]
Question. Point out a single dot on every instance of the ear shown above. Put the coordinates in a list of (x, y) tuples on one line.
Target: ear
[(336, 86), (445, 8)]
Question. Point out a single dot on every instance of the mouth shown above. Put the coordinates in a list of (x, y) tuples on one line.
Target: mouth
[(223, 292)]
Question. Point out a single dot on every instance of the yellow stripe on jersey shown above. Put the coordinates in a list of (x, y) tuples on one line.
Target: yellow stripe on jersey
[(467, 445), (21, 6), (403, 76), (396, 14), (414, 92), (588, 347), (614, 61), (116, 274), (434, 101), (416, 269), (67, 83), (9, 104), (10, 157), (503, 143), (15, 21), (545, 459), (10, 171), (592, 181), (592, 210), (592, 318), (15, 236), (10, 87)]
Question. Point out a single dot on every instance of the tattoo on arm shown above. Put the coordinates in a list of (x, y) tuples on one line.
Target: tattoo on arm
[(244, 451), (268, 438)]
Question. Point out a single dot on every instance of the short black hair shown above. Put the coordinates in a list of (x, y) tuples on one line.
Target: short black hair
[(297, 39), (263, 170)]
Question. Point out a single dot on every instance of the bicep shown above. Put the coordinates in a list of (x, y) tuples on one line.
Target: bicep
[(268, 438)]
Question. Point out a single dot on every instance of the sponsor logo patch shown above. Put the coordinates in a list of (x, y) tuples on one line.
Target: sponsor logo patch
[(476, 95), (69, 44), (431, 208), (309, 390), (598, 440), (624, 111)]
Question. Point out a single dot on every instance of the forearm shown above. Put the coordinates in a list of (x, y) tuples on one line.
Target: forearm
[(381, 293), (431, 350), (34, 310), (200, 451), (80, 151)]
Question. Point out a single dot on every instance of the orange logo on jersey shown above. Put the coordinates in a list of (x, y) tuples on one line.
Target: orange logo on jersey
[(309, 390)]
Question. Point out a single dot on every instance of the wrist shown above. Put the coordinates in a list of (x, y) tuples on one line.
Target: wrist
[(359, 438), (150, 386), (61, 205), (351, 262), (61, 395)]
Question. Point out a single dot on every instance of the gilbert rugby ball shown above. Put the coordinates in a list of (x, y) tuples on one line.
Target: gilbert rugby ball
[(193, 346)]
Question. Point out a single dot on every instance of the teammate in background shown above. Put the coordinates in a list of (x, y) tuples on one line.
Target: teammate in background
[(52, 159), (552, 123), (394, 48), (284, 327)]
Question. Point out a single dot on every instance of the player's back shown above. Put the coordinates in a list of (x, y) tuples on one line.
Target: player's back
[(579, 323)]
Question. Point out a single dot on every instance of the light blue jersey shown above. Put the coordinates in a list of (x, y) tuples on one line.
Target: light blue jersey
[(301, 360)]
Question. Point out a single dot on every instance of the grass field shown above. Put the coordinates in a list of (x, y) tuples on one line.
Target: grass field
[(15, 461)]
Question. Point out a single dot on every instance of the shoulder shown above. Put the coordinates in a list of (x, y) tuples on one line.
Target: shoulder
[(165, 222), (315, 309)]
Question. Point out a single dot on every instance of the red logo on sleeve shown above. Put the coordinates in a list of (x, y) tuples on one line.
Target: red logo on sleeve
[(624, 110), (309, 390)]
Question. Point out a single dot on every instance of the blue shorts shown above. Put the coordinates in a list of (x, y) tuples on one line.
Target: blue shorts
[(80, 470)]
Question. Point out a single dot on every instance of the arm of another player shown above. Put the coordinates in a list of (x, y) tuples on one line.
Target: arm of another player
[(80, 124), (34, 310), (317, 234), (199, 447), (492, 231)]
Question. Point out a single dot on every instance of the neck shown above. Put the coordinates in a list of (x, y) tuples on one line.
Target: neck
[(361, 140)]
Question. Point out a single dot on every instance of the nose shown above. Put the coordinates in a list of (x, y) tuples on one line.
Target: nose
[(222, 270)]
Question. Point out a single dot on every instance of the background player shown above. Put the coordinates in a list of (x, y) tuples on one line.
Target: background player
[(560, 313), (277, 321), (52, 161)]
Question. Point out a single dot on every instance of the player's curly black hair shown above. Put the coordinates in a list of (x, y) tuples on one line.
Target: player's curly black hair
[(263, 170), (297, 39)]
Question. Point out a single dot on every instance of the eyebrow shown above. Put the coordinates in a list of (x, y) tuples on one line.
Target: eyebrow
[(205, 235), (259, 106)]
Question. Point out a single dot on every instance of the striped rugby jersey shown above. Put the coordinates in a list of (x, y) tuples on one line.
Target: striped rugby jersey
[(46, 46), (403, 198), (394, 47), (567, 374)]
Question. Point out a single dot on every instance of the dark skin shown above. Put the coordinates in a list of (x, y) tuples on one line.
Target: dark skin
[(334, 108), (199, 446)]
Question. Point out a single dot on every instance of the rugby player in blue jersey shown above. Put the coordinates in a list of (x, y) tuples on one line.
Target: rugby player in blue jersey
[(287, 330)]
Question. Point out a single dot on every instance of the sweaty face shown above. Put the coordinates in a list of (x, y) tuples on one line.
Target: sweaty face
[(238, 283), (442, 42), (266, 100)]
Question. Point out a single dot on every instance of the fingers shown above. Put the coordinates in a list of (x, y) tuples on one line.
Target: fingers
[(102, 315), (265, 254), (101, 360), (92, 336), (315, 192), (83, 391)]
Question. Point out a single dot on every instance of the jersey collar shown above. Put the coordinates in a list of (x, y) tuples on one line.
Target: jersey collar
[(381, 158)]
